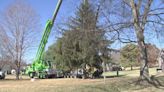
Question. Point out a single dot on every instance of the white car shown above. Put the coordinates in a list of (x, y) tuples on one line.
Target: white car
[(2, 75)]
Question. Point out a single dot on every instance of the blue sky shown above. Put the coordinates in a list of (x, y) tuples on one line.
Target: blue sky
[(45, 9)]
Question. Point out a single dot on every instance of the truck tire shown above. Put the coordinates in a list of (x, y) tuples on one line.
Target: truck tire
[(31, 74)]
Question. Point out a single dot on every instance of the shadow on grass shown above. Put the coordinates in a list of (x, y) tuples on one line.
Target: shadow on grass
[(157, 82), (114, 76)]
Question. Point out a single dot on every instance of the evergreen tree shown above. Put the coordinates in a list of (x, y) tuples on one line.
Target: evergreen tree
[(88, 35), (130, 55), (82, 42)]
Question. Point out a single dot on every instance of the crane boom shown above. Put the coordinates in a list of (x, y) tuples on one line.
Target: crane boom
[(46, 34)]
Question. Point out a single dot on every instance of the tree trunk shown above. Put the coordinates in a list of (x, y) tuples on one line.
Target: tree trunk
[(17, 70), (139, 29), (131, 67), (144, 72), (162, 66), (117, 72), (17, 73), (104, 65)]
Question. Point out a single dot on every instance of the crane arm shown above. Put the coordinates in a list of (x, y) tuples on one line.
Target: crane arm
[(46, 34)]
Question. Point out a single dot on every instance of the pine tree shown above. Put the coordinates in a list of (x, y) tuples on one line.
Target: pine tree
[(81, 43), (84, 25)]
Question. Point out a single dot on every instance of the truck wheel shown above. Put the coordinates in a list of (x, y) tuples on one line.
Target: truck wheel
[(46, 75), (31, 75), (41, 76), (3, 77)]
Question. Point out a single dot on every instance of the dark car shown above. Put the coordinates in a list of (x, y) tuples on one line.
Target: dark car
[(78, 73), (116, 68), (59, 74)]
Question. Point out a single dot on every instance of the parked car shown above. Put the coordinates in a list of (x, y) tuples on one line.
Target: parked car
[(116, 68), (2, 75), (59, 74), (78, 73)]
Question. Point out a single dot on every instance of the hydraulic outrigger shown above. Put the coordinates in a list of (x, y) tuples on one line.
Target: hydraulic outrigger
[(40, 68)]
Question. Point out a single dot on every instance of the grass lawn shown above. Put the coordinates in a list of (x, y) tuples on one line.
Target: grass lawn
[(114, 84), (133, 73)]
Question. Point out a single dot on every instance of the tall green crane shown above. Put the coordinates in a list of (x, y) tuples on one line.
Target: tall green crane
[(40, 68)]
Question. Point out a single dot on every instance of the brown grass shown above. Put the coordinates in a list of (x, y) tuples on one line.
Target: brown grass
[(113, 84)]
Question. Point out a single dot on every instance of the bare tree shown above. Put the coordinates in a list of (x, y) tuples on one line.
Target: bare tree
[(19, 25), (131, 20), (2, 63), (5, 58)]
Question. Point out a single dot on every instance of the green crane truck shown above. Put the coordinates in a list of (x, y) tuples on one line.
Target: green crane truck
[(40, 68)]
